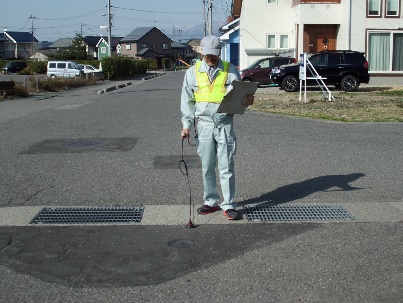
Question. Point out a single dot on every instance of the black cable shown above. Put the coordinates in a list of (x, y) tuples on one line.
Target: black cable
[(186, 173)]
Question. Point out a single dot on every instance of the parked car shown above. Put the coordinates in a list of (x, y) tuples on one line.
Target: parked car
[(259, 71), (92, 71), (89, 68), (64, 69), (345, 70), (14, 67)]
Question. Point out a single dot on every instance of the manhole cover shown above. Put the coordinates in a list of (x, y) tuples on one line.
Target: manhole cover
[(182, 243), (88, 215), (172, 162), (298, 213), (83, 145)]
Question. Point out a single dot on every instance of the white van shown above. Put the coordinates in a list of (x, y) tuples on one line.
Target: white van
[(64, 69)]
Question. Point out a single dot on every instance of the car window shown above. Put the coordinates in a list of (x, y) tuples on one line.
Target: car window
[(266, 63), (52, 65), (334, 59), (61, 65), (319, 59), (281, 61), (90, 67), (354, 58)]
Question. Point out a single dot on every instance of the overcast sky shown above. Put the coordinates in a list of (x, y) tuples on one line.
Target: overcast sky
[(54, 19)]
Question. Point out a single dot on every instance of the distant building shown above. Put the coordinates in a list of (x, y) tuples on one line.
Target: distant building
[(147, 43), (102, 47), (44, 44), (17, 45), (61, 43)]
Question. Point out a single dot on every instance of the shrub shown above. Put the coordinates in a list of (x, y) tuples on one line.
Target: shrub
[(121, 67)]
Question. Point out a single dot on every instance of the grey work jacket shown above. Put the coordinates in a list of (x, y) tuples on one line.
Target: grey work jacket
[(204, 111)]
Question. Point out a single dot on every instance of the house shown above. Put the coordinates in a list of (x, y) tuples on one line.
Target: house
[(18, 45), (2, 41), (102, 47), (183, 51), (61, 43), (91, 48), (230, 39), (39, 56), (147, 43), (292, 27), (195, 44)]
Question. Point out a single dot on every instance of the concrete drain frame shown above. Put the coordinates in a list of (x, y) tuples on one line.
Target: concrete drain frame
[(298, 213), (89, 215)]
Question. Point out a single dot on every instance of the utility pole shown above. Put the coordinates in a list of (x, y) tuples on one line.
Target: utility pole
[(109, 29), (32, 23), (32, 32), (81, 30), (211, 18), (205, 18)]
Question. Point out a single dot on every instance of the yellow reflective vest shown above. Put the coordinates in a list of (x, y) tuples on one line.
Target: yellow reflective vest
[(213, 92)]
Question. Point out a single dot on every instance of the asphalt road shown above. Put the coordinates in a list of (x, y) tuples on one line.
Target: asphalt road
[(80, 148)]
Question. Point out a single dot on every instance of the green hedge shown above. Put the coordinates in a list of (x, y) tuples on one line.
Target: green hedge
[(122, 67)]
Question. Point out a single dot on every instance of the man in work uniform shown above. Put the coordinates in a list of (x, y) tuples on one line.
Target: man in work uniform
[(204, 86)]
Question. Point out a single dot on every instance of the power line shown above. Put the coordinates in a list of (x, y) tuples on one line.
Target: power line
[(157, 12), (74, 17)]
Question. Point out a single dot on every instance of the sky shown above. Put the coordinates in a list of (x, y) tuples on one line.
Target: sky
[(54, 19)]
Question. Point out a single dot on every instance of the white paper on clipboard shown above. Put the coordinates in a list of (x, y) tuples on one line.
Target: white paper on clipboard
[(233, 101)]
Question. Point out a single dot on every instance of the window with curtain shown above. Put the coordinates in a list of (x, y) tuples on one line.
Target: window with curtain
[(379, 52), (385, 51), (271, 41), (392, 8), (283, 41), (374, 8)]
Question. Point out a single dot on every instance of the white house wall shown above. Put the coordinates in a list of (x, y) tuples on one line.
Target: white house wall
[(319, 13), (259, 19)]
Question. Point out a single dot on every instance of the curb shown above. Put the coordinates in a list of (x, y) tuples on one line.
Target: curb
[(115, 87)]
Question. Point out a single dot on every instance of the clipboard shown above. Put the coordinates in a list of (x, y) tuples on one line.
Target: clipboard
[(232, 103)]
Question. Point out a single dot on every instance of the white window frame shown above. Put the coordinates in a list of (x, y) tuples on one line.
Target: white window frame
[(267, 41), (164, 45), (379, 8), (128, 46), (288, 41), (103, 50), (143, 45)]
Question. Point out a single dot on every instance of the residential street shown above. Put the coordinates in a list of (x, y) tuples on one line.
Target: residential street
[(123, 149)]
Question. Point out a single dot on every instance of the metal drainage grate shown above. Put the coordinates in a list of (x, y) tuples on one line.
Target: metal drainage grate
[(89, 215), (298, 212)]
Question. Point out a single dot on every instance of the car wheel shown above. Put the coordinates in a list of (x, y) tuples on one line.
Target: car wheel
[(349, 83), (290, 83), (247, 80)]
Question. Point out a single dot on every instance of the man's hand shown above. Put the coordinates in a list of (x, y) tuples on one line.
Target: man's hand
[(185, 133), (248, 100)]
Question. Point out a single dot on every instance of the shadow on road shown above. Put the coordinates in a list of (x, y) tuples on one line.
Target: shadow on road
[(305, 188)]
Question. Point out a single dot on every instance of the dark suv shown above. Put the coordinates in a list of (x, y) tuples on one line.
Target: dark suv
[(14, 67), (345, 70), (259, 71)]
